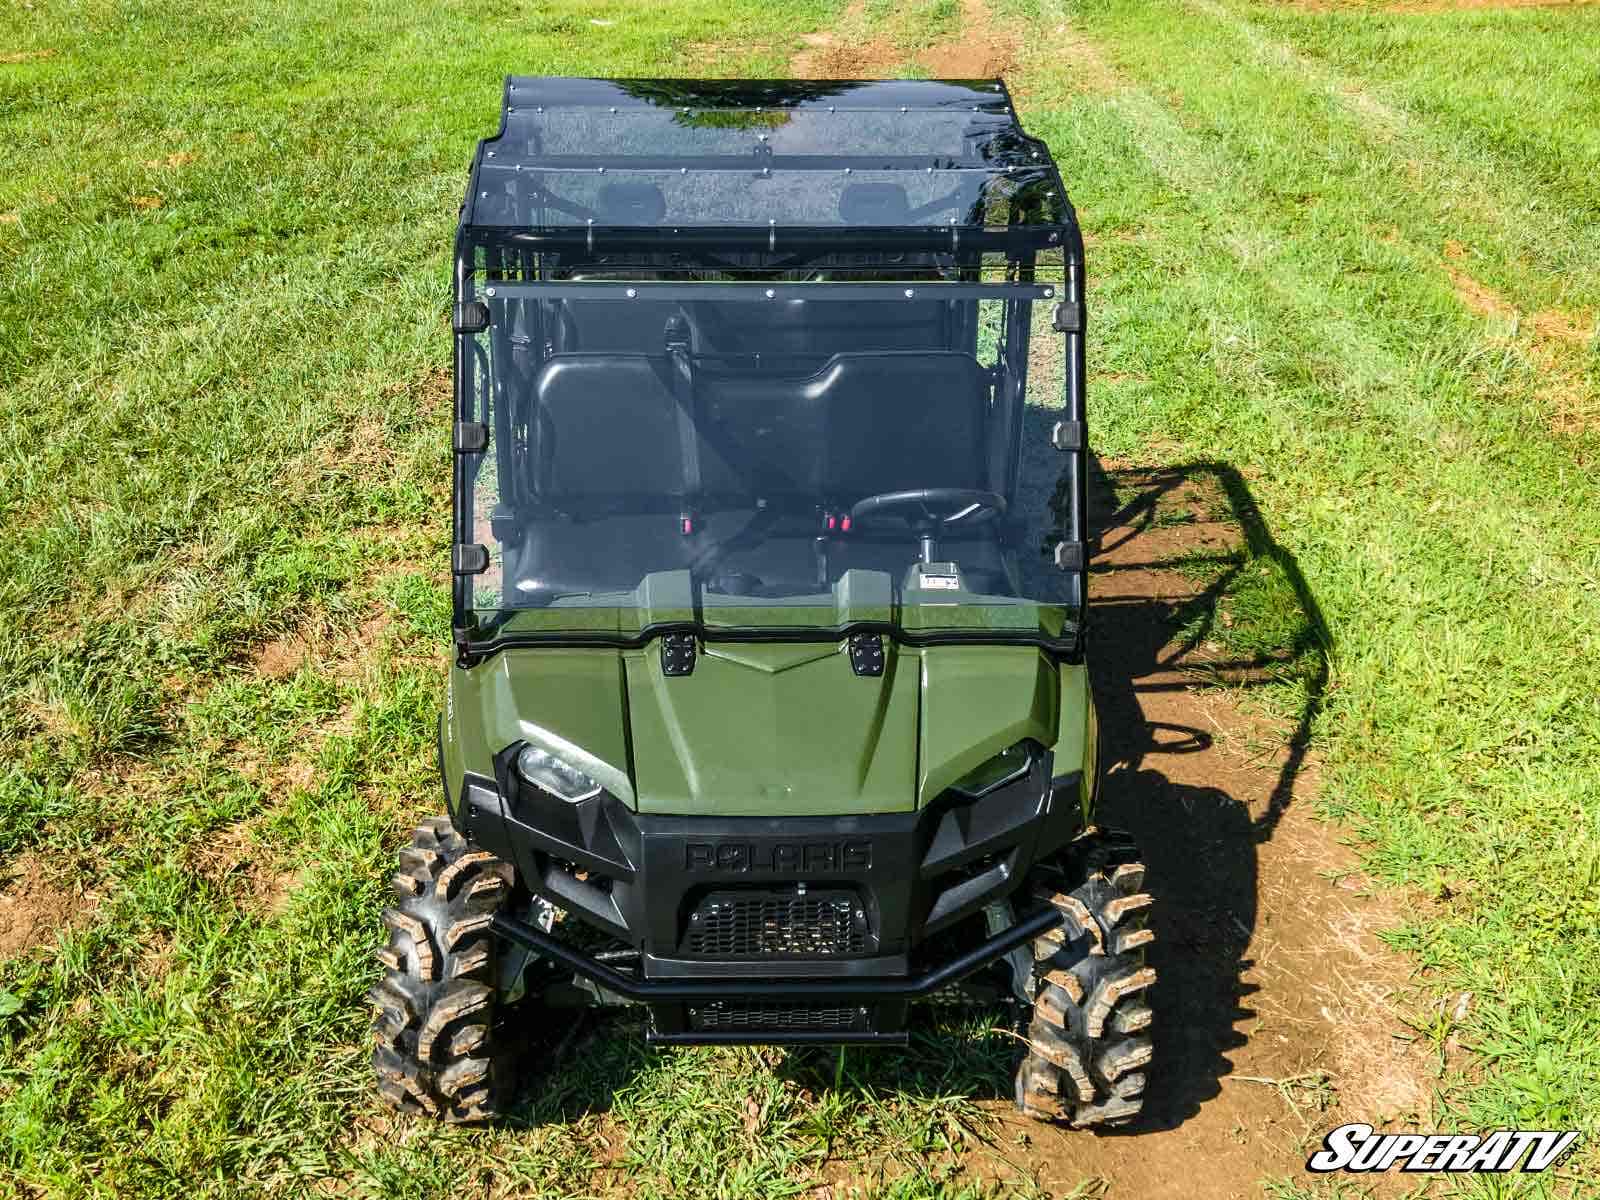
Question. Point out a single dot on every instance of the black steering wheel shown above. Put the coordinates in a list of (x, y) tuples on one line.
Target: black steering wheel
[(930, 508)]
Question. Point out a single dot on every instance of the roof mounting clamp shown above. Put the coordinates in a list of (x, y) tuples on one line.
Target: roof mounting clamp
[(471, 316), (1068, 317), (1067, 435), (1071, 556), (471, 559)]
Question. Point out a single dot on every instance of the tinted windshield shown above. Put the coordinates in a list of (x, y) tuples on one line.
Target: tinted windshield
[(766, 457)]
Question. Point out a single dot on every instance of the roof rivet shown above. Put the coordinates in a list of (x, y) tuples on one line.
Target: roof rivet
[(910, 292), (903, 108), (490, 153), (483, 195), (847, 170), (766, 170), (488, 291), (613, 108), (683, 170), (632, 292), (539, 109), (761, 137), (930, 170), (831, 108), (771, 294)]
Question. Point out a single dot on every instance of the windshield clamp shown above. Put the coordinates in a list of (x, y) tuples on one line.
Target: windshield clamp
[(677, 654), (469, 559), (866, 653), (1071, 556), (1067, 435), (471, 316), (1068, 317)]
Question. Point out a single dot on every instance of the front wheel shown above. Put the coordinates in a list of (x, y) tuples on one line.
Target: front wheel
[(1089, 1036), (435, 1051)]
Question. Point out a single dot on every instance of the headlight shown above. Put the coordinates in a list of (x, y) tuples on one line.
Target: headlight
[(1000, 770), (548, 773)]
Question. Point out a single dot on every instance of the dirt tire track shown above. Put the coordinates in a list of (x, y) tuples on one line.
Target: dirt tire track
[(1268, 969)]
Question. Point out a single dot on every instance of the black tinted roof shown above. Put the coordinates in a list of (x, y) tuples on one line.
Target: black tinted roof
[(664, 153)]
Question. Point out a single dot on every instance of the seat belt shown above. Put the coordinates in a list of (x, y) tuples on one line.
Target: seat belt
[(676, 336)]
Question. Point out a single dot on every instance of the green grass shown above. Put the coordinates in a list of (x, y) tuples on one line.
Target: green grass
[(223, 282)]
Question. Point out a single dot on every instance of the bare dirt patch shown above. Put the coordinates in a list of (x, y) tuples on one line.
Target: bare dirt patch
[(1551, 339), (1471, 5), (846, 52), (1280, 1010), (36, 903), (22, 56), (281, 658), (857, 48), (982, 50), (234, 861), (1429, 6), (180, 158)]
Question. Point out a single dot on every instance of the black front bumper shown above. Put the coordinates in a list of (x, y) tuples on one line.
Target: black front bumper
[(863, 992), (819, 923)]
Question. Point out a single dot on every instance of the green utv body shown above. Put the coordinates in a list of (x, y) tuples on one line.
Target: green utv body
[(769, 709)]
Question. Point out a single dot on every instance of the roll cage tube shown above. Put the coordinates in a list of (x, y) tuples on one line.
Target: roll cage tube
[(508, 268)]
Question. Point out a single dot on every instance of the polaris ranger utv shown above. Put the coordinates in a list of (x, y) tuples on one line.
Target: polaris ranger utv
[(768, 709)]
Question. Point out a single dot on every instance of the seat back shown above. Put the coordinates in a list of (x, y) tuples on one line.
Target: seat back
[(901, 420), (608, 428), (865, 423)]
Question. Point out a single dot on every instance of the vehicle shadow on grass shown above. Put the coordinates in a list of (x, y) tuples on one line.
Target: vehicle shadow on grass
[(1165, 562), (1159, 633)]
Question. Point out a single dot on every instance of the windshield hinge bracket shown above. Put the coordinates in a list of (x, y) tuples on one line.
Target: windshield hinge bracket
[(677, 654), (1071, 556), (472, 437), (1067, 435), (1068, 317), (469, 559), (471, 316), (866, 653)]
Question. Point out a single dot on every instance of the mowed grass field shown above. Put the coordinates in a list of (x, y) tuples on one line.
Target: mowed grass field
[(1351, 253)]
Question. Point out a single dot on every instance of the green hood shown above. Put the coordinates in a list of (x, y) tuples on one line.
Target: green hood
[(764, 729)]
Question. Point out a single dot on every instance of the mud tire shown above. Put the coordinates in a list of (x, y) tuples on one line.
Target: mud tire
[(434, 1050), (1089, 1032)]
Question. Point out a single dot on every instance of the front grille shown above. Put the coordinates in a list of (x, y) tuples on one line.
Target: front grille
[(770, 924), (723, 1016)]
